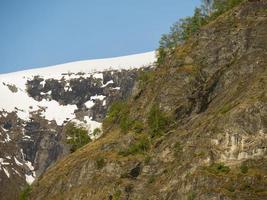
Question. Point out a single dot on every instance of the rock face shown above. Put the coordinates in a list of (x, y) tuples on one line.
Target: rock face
[(214, 92), (32, 134)]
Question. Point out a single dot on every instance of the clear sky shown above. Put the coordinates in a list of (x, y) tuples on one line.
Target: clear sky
[(36, 33)]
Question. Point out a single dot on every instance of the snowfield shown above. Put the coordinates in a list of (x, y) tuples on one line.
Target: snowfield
[(19, 101)]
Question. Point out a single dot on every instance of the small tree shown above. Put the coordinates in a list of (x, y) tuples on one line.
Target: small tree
[(186, 27), (157, 121), (118, 114), (77, 137)]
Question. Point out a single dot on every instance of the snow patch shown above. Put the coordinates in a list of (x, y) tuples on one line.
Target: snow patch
[(3, 163), (7, 139), (99, 97), (89, 104), (17, 162), (107, 83), (6, 172), (29, 178)]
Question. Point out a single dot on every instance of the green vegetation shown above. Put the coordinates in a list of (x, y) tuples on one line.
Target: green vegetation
[(117, 195), (186, 27), (218, 168), (244, 168), (100, 162), (147, 159), (220, 7), (226, 108), (151, 179), (177, 149), (231, 188), (191, 195), (97, 131), (157, 121), (138, 126), (119, 114), (145, 77), (139, 147), (116, 110), (77, 137), (25, 193)]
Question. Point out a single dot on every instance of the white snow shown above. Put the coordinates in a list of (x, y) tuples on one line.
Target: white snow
[(17, 162), (29, 165), (90, 66), (98, 76), (21, 102), (104, 103), (29, 178), (2, 162), (6, 172), (116, 88), (92, 125), (26, 137), (16, 171), (100, 97), (7, 138), (107, 83), (23, 105), (89, 104), (4, 114)]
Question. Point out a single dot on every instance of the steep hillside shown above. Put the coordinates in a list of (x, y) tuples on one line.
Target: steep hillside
[(36, 104), (195, 128)]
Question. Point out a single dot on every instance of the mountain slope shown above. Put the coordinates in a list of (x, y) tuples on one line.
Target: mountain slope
[(35, 106), (202, 125)]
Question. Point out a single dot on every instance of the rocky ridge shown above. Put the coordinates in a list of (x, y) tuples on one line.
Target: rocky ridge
[(212, 91)]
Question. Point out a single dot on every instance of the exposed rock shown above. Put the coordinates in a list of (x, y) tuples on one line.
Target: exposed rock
[(38, 143), (214, 89)]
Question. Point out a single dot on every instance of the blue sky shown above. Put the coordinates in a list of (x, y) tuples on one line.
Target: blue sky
[(36, 33)]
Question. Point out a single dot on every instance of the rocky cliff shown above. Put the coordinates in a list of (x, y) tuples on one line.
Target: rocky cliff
[(198, 125), (35, 106)]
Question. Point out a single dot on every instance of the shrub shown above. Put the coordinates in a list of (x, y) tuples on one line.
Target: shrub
[(97, 131), (177, 148), (125, 122), (180, 31), (138, 126), (25, 193), (145, 77), (115, 111), (77, 137), (219, 7), (100, 162), (117, 195), (139, 147), (157, 121), (217, 168), (119, 114), (186, 27), (191, 195), (244, 168), (151, 179)]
